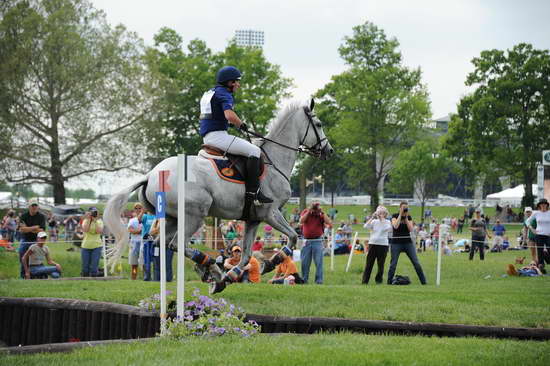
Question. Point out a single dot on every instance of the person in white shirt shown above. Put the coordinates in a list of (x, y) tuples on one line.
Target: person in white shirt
[(542, 231), (134, 228), (380, 228), (423, 234)]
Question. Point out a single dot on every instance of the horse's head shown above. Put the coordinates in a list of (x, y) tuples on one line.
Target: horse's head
[(315, 141)]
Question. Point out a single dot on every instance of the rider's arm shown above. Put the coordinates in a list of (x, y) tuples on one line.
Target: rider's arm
[(232, 117)]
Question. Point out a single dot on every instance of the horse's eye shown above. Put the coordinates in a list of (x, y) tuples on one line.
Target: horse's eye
[(318, 124)]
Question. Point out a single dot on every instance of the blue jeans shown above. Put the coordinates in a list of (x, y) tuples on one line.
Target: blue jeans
[(90, 261), (313, 248), (147, 259), (156, 260), (410, 250), (23, 247), (44, 270)]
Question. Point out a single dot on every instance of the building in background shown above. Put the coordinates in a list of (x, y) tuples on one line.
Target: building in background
[(249, 37)]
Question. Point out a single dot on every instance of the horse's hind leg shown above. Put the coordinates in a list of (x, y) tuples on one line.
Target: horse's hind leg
[(277, 220)]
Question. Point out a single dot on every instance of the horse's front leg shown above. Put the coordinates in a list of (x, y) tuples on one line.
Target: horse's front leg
[(235, 273), (277, 220)]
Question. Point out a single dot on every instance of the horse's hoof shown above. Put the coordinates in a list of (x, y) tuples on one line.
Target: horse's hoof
[(216, 287), (215, 273)]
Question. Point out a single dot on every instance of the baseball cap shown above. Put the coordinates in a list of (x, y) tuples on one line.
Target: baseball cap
[(91, 209), (235, 248), (33, 202), (528, 209), (41, 235)]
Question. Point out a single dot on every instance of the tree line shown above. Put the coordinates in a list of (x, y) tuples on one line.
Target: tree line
[(79, 96)]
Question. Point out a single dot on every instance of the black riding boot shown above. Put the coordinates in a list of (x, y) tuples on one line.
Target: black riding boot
[(253, 182)]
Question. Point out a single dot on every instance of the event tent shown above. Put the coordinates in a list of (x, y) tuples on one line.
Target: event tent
[(511, 194)]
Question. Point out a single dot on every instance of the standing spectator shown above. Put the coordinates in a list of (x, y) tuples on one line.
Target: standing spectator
[(378, 244), (38, 253), (460, 225), (258, 245), (423, 234), (154, 232), (91, 246), (435, 234), (70, 226), (498, 230), (444, 232), (52, 227), (478, 227), (135, 227), (313, 221), (401, 242), (147, 221), (530, 237), (268, 234), (31, 223), (9, 226), (542, 216), (332, 212)]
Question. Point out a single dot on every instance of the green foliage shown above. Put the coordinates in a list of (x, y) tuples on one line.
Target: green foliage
[(71, 88), (187, 74), (505, 122), (378, 103)]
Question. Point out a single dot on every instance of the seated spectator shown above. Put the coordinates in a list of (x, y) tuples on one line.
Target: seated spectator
[(251, 272), (341, 242), (38, 253), (532, 270), (6, 244), (287, 269), (505, 243)]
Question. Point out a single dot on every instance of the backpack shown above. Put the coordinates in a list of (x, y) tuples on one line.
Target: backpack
[(401, 280)]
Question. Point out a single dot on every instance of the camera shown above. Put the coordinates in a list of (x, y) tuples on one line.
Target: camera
[(406, 209), (94, 213)]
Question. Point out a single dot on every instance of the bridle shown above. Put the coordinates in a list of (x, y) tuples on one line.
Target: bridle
[(314, 150)]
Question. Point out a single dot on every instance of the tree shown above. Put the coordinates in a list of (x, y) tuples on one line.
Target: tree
[(189, 73), (421, 169), (71, 89), (380, 106), (505, 122)]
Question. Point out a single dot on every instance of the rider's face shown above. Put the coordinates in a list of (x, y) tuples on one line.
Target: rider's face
[(233, 85)]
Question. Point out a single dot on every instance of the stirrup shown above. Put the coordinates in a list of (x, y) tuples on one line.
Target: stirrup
[(258, 198)]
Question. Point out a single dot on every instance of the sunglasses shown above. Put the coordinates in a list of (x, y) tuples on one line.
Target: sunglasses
[(236, 251)]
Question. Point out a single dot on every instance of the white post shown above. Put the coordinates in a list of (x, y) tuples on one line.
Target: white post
[(104, 256), (438, 275), (182, 178), (215, 233), (332, 251), (351, 251), (162, 222)]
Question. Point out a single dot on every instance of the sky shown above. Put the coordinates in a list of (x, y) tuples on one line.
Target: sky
[(303, 36)]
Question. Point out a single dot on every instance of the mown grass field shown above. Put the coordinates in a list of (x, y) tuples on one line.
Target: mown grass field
[(470, 293)]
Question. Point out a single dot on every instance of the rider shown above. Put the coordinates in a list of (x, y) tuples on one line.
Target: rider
[(216, 113)]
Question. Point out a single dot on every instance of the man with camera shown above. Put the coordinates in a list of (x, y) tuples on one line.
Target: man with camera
[(401, 242), (90, 253), (313, 221)]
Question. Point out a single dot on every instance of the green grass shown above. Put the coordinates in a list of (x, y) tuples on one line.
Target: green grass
[(321, 349)]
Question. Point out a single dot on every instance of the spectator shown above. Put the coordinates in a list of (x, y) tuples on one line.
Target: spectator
[(380, 228), (313, 221), (341, 242), (505, 243), (154, 232), (498, 230), (31, 223), (70, 224), (135, 227), (147, 221), (251, 272), (91, 246), (332, 212), (268, 234), (460, 225), (529, 237), (34, 258), (444, 232), (542, 216), (401, 242), (532, 270), (52, 227), (9, 226), (478, 227), (286, 270), (423, 235), (258, 245)]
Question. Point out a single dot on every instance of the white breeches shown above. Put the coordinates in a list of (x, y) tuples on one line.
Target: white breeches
[(232, 144)]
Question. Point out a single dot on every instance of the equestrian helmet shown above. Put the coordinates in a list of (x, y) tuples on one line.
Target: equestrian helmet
[(227, 73)]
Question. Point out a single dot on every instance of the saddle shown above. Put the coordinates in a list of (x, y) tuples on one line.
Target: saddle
[(230, 167)]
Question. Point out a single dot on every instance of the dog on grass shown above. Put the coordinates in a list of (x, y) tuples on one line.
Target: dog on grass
[(519, 260)]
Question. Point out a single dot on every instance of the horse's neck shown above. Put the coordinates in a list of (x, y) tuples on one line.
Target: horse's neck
[(282, 157)]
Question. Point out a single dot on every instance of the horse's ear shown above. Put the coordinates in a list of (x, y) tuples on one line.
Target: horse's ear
[(312, 104)]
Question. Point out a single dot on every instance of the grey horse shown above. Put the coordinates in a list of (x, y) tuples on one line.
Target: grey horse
[(294, 130)]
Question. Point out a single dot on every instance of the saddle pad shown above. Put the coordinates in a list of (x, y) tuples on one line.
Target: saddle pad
[(229, 171)]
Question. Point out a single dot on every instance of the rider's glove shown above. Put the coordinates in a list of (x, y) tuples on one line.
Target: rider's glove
[(243, 127)]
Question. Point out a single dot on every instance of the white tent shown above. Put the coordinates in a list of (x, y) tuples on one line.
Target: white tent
[(511, 194)]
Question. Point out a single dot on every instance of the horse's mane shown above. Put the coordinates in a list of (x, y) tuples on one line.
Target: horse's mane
[(282, 115)]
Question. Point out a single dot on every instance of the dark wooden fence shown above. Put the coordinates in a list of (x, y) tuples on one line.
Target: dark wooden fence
[(30, 321)]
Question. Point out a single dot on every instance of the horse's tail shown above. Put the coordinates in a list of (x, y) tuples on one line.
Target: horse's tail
[(111, 217)]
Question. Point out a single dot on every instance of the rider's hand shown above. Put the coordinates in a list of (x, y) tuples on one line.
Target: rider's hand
[(243, 127)]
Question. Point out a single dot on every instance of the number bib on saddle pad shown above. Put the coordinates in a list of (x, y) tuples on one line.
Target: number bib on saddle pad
[(232, 168)]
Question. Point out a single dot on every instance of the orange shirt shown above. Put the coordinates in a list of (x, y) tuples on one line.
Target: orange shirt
[(286, 268), (253, 272)]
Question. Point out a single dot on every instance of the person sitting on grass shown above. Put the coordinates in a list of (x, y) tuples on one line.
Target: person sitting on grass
[(532, 270), (287, 269), (251, 272), (36, 255)]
